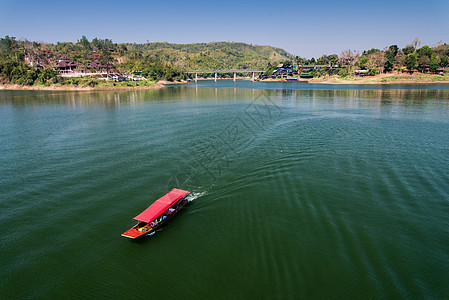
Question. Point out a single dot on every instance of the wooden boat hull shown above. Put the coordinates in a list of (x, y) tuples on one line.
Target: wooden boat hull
[(142, 229)]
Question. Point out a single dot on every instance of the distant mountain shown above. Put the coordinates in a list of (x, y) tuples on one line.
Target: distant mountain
[(212, 56)]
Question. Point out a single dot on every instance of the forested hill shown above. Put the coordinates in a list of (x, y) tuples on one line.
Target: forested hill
[(210, 56), (27, 63)]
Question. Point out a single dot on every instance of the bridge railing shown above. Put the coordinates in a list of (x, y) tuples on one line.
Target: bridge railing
[(224, 71)]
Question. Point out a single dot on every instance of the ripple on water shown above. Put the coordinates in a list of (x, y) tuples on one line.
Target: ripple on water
[(343, 194)]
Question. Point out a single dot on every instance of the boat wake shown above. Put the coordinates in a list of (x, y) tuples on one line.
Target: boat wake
[(193, 196)]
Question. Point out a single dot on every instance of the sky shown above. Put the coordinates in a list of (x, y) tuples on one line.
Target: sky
[(303, 28)]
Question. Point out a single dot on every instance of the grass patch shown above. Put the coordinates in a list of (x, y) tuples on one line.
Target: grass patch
[(87, 82), (415, 78)]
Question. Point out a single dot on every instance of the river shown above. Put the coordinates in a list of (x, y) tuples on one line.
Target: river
[(299, 191)]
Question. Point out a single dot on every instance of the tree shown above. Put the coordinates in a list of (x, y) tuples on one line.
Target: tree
[(390, 56), (332, 59), (363, 62), (423, 62), (322, 60), (311, 61), (300, 60), (96, 43), (425, 51), (8, 43), (393, 50), (416, 42), (36, 46), (106, 59), (84, 42), (410, 62), (400, 60), (269, 69), (47, 74), (348, 56), (443, 60), (441, 49), (373, 71), (371, 51), (376, 60), (389, 65), (327, 59), (287, 63), (408, 50), (7, 65), (434, 64), (424, 56)]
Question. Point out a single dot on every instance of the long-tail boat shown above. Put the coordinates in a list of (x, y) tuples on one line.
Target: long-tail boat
[(158, 213)]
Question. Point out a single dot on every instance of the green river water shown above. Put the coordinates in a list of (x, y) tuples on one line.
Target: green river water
[(298, 191)]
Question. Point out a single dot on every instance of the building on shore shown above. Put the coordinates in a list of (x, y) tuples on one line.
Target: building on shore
[(65, 65)]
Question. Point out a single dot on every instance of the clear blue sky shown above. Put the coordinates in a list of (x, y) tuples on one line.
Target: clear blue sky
[(304, 28)]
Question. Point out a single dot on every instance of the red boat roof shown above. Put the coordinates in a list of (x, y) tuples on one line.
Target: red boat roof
[(160, 206)]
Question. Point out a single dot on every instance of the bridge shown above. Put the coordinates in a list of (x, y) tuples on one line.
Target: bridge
[(224, 71)]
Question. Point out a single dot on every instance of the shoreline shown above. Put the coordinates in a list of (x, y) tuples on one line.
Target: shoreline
[(16, 87), (382, 79)]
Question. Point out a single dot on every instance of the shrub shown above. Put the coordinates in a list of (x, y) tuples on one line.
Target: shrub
[(56, 80), (47, 74), (373, 71), (332, 71), (343, 72), (74, 81), (314, 73), (92, 83)]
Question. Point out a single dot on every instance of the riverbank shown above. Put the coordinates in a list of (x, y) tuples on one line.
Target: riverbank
[(358, 164), (390, 78), (68, 87)]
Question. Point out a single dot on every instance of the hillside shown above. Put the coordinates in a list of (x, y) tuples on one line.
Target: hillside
[(215, 55), (28, 63)]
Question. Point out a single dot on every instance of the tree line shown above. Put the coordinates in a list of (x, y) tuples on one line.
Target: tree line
[(28, 63), (411, 58)]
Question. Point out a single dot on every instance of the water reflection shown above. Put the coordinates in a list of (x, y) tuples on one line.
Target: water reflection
[(436, 98)]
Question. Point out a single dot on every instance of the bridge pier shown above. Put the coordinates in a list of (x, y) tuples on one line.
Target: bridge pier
[(215, 72)]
